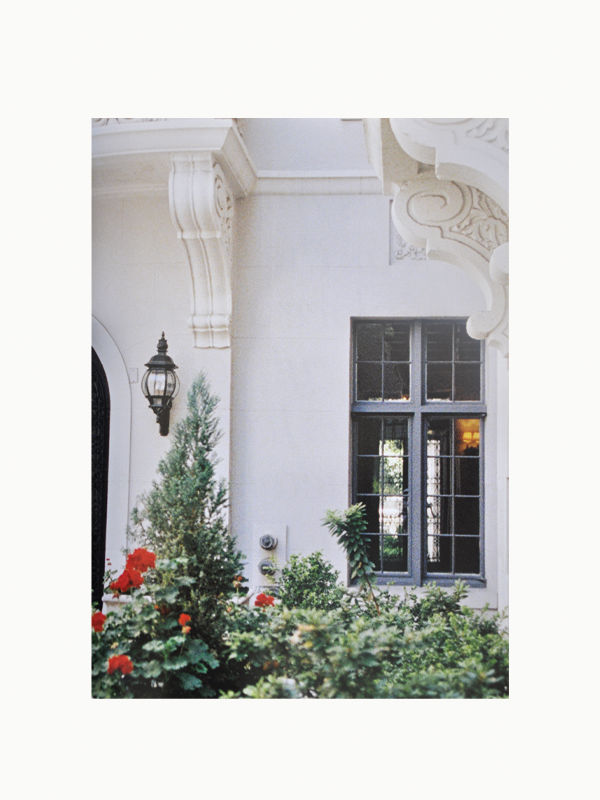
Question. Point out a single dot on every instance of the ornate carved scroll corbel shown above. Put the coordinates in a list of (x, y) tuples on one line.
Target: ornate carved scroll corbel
[(459, 223), (201, 206), (472, 151)]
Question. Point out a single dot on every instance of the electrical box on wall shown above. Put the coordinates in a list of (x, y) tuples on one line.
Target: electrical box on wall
[(269, 554)]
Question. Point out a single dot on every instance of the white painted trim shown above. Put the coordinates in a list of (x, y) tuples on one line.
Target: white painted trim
[(138, 153), (313, 182), (117, 514)]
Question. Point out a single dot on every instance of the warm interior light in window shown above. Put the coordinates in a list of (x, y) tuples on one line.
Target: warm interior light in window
[(467, 435)]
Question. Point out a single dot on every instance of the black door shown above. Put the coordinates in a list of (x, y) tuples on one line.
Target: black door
[(100, 439)]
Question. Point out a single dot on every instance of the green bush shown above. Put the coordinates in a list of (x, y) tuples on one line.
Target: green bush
[(428, 647), (309, 582), (167, 658)]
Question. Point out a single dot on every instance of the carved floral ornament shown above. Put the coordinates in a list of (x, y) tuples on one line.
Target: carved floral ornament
[(459, 213), (491, 130)]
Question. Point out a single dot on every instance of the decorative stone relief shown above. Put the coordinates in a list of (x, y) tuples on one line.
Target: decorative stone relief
[(456, 211), (472, 151), (460, 224), (401, 250), (101, 121), (492, 130), (202, 207), (224, 209)]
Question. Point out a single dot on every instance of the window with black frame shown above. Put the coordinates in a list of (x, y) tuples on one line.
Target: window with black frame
[(417, 414)]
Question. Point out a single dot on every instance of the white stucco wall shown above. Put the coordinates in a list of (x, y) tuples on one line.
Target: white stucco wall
[(140, 288), (311, 250), (303, 267)]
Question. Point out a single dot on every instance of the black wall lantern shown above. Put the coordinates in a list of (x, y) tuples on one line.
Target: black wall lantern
[(160, 384)]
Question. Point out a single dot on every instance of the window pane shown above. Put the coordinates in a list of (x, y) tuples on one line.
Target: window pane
[(395, 553), (368, 381), (467, 433), (369, 432), (396, 342), (439, 515), (368, 342), (394, 515), (395, 475), (374, 551), (396, 381), (439, 471), (439, 553), (438, 339), (467, 381), (466, 515), (466, 476), (372, 512), (466, 348), (439, 381), (368, 475), (395, 437), (439, 437), (466, 554)]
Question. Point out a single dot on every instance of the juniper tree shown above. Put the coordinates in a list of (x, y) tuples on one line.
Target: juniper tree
[(183, 516)]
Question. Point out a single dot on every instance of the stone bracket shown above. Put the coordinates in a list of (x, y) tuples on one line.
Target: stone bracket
[(202, 206), (471, 150), (460, 224)]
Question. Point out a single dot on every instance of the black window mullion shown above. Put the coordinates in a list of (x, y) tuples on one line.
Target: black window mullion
[(452, 475), (417, 500)]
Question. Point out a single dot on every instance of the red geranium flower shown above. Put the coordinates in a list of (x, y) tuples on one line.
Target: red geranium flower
[(124, 663), (263, 600), (141, 560), (186, 629), (184, 618), (128, 578), (98, 621)]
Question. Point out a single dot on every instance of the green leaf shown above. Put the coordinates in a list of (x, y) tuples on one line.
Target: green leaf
[(189, 682), (154, 646), (168, 595), (150, 669), (177, 662)]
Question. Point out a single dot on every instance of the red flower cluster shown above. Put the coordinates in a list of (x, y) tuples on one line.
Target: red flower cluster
[(263, 600), (184, 618), (98, 621), (141, 560), (129, 578), (124, 663)]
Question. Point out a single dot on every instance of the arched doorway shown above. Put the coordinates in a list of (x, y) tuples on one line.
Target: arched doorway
[(100, 445)]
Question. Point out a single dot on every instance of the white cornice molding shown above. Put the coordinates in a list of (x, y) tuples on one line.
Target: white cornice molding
[(204, 165), (468, 150), (313, 182), (458, 223), (391, 163), (202, 206), (134, 155)]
